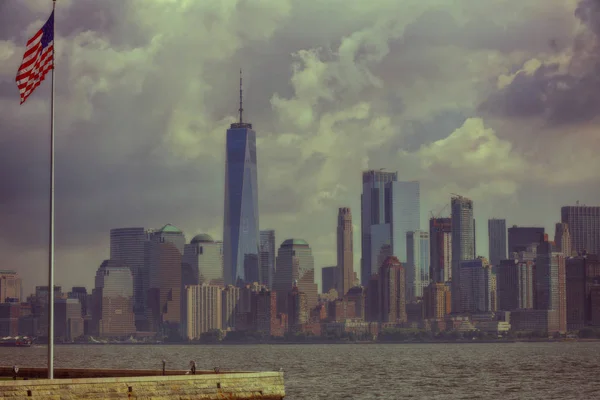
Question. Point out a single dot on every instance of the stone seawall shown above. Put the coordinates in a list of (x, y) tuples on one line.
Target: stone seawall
[(63, 373), (203, 385)]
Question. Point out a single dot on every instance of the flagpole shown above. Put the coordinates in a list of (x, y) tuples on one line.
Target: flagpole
[(51, 244)]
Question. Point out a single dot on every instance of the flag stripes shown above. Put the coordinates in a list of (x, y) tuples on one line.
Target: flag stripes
[(37, 60)]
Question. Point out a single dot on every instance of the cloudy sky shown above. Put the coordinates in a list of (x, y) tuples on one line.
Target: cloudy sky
[(496, 100)]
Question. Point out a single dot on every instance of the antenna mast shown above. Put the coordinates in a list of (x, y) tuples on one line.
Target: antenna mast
[(241, 110)]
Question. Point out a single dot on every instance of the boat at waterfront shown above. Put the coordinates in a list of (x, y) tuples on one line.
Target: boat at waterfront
[(18, 341)]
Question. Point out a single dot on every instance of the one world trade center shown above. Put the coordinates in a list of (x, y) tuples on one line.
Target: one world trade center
[(241, 236)]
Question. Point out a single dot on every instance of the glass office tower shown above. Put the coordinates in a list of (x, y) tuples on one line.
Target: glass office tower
[(240, 225)]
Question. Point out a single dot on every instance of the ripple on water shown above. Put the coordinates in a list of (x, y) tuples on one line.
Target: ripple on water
[(377, 371)]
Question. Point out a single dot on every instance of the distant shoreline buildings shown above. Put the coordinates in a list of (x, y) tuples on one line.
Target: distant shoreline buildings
[(157, 286)]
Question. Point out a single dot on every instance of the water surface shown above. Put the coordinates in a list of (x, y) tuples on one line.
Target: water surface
[(368, 371)]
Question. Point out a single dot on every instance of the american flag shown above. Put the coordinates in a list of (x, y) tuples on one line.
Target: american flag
[(38, 59)]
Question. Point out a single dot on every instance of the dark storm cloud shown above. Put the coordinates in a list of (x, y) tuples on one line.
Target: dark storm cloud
[(14, 14), (8, 89), (259, 83), (87, 15), (440, 28), (559, 97), (588, 11), (95, 190), (81, 15), (526, 96)]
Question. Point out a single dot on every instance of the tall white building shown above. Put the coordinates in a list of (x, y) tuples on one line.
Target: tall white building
[(230, 304), (417, 265), (204, 309)]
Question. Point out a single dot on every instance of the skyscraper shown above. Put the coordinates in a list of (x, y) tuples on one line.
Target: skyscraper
[(582, 275), (297, 309), (392, 295), (436, 300), (345, 252), (406, 214), (562, 238), (372, 300), (520, 238), (584, 227), (417, 266), (264, 312), (515, 285), (389, 209), (230, 302), (112, 309), (68, 323), (80, 293), (463, 243), (440, 249), (477, 289), (577, 299), (168, 234), (267, 257), (550, 282), (497, 240), (376, 218), (295, 265), (204, 309), (328, 278), (205, 259), (10, 286), (164, 294), (240, 225), (127, 245)]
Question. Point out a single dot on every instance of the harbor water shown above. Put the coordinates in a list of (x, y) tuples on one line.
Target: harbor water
[(567, 370)]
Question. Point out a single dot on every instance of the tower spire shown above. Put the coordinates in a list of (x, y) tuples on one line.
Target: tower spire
[(241, 110)]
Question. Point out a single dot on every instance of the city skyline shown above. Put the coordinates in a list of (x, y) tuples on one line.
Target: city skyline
[(166, 166), (535, 281)]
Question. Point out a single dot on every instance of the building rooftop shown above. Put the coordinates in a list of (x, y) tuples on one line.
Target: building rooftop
[(168, 228), (202, 238), (391, 261), (294, 242)]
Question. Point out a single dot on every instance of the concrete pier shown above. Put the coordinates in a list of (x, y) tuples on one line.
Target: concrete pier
[(95, 384)]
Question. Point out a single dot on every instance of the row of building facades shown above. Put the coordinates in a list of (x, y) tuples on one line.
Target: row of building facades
[(157, 284)]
